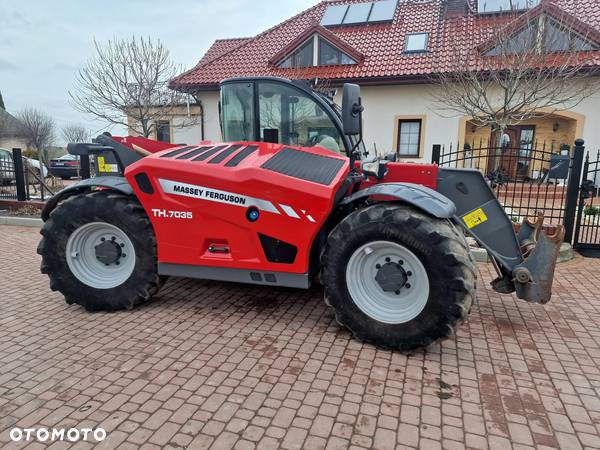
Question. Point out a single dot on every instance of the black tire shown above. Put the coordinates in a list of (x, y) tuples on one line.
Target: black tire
[(119, 210), (441, 248)]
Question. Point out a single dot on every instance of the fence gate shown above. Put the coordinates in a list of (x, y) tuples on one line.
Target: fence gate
[(587, 228)]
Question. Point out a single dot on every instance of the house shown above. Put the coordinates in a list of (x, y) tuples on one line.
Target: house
[(392, 48), (177, 124), (11, 134)]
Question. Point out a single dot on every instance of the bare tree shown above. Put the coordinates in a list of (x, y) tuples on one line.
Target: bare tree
[(528, 69), (75, 133), (128, 78), (39, 129)]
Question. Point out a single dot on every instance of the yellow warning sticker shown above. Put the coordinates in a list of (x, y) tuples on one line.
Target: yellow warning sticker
[(474, 218), (103, 167)]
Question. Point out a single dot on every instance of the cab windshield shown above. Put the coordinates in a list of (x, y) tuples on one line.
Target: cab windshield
[(286, 115)]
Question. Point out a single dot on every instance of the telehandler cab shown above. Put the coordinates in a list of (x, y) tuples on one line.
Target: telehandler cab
[(286, 200)]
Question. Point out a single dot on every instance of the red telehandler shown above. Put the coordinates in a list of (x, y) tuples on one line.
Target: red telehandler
[(291, 198)]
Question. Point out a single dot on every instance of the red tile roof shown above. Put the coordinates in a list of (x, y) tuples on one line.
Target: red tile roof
[(380, 45)]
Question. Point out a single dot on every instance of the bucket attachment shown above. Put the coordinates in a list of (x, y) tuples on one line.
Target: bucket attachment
[(533, 277), (525, 261)]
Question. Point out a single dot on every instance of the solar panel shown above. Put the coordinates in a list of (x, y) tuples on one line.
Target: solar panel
[(383, 11), (488, 6), (366, 12), (334, 15), (358, 13)]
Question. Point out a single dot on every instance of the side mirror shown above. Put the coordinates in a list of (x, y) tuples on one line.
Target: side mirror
[(391, 157), (351, 109)]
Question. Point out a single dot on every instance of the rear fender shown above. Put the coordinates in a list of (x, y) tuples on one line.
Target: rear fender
[(421, 197), (118, 184)]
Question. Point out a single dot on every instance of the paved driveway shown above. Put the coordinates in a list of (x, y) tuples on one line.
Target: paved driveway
[(222, 365)]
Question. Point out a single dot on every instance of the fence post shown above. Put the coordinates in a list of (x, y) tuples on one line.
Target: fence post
[(84, 166), (435, 154), (573, 189), (19, 174)]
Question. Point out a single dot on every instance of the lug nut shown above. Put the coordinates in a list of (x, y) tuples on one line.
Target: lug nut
[(388, 259), (401, 262), (409, 273), (117, 263), (398, 292), (407, 285), (113, 238), (122, 245), (378, 266), (123, 255), (103, 239)]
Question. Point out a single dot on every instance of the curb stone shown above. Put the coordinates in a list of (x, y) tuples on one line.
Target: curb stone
[(21, 221)]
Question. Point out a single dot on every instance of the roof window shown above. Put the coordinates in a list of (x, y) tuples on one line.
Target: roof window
[(416, 42)]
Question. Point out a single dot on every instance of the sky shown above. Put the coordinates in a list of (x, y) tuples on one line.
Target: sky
[(43, 43)]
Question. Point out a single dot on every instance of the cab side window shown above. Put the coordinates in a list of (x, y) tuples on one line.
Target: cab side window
[(289, 116)]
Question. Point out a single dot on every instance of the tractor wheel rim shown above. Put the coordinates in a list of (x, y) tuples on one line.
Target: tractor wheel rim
[(82, 255), (395, 307)]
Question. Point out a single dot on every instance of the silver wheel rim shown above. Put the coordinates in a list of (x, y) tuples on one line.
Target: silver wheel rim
[(387, 307), (87, 268)]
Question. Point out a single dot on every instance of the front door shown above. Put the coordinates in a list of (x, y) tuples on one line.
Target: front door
[(513, 156)]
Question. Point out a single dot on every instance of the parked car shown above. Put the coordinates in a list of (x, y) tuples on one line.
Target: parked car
[(65, 167), (35, 166)]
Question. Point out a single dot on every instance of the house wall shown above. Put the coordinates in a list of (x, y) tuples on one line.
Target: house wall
[(12, 142), (385, 104)]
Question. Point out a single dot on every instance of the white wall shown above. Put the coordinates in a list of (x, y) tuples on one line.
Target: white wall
[(212, 131), (382, 104), (10, 143)]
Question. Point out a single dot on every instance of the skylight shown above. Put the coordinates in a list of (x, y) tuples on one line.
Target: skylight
[(416, 42), (360, 13), (496, 6)]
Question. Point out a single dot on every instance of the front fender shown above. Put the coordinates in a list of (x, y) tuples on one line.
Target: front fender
[(422, 197), (118, 184)]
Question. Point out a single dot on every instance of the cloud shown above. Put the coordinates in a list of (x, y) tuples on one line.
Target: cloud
[(7, 66)]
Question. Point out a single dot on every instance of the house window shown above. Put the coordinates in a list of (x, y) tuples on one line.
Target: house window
[(330, 56), (316, 52), (163, 131), (555, 37), (303, 57), (409, 137), (416, 42)]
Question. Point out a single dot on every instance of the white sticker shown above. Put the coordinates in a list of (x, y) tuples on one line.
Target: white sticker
[(215, 195)]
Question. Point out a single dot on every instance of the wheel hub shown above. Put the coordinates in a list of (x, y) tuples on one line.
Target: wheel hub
[(100, 255), (108, 252), (387, 282), (391, 277)]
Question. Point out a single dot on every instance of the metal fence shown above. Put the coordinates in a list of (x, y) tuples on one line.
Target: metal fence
[(531, 178), (8, 178), (587, 231), (21, 180)]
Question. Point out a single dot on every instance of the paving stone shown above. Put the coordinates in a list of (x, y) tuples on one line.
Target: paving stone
[(218, 365)]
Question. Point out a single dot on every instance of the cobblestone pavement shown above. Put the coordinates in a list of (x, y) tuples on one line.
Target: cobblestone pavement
[(222, 365)]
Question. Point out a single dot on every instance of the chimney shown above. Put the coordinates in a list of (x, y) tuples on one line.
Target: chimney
[(455, 8)]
